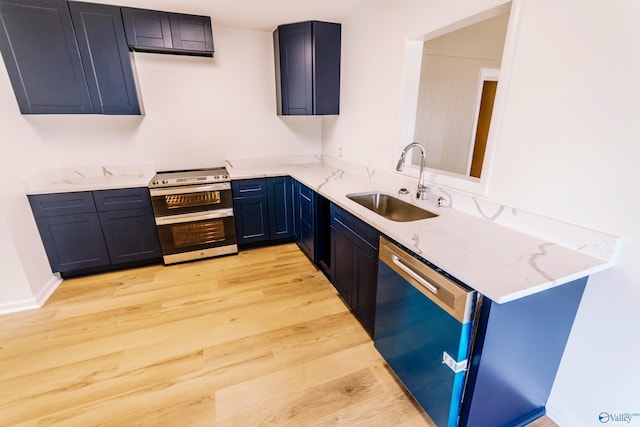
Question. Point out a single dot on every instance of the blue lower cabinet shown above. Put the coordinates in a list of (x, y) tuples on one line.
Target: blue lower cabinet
[(304, 219), (89, 232), (280, 204), (73, 242), (354, 263), (130, 235), (516, 355), (252, 219), (263, 210)]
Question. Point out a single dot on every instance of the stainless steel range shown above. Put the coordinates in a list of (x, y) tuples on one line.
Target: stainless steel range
[(194, 213)]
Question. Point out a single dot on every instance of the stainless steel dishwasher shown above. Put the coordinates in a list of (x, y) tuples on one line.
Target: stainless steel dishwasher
[(423, 329)]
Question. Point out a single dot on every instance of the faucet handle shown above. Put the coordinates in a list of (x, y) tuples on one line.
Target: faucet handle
[(443, 202)]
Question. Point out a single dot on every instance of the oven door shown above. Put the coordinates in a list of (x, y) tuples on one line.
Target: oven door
[(195, 236), (191, 199)]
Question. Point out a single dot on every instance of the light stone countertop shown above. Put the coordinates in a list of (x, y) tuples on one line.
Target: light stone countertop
[(498, 261), (65, 180), (501, 262)]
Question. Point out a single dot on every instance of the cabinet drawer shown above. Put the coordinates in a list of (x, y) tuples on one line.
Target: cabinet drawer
[(306, 193), (359, 231), (48, 205), (127, 198), (249, 187)]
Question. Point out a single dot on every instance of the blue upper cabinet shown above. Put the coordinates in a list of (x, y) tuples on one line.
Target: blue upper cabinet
[(67, 58), (191, 34), (105, 56), (307, 56), (39, 48), (164, 32)]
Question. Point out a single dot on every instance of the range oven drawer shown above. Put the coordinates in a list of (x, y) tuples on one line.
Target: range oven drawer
[(192, 239), (191, 199)]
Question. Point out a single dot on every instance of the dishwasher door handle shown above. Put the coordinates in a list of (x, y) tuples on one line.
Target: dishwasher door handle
[(455, 298), (416, 276)]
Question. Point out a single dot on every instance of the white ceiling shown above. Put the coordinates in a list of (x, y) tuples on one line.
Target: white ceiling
[(262, 15)]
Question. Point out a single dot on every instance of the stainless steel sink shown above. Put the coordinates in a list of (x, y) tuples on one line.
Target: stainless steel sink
[(390, 207)]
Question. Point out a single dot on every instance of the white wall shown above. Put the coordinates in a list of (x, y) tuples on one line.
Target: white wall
[(199, 112), (567, 149)]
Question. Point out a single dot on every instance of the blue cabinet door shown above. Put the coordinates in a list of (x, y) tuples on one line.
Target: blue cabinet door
[(342, 265), (191, 33), (326, 67), (306, 223), (363, 300), (252, 219), (39, 48), (130, 235), (73, 242), (280, 201), (105, 57), (294, 52), (147, 29)]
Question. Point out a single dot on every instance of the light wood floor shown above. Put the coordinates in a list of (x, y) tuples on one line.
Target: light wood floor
[(260, 338)]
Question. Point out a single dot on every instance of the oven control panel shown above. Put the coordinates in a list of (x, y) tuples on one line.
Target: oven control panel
[(187, 177)]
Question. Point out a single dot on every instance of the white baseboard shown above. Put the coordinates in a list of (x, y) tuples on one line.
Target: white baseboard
[(35, 302), (562, 416), (21, 305), (47, 290)]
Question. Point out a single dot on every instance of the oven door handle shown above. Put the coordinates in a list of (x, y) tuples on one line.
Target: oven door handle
[(191, 217), (189, 189)]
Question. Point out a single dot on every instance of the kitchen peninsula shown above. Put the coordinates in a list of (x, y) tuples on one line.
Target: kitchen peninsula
[(498, 261)]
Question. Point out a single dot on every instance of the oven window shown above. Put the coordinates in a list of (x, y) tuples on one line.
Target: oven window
[(179, 201), (198, 233), (168, 202)]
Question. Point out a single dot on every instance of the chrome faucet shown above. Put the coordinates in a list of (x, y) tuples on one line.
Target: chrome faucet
[(421, 194)]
